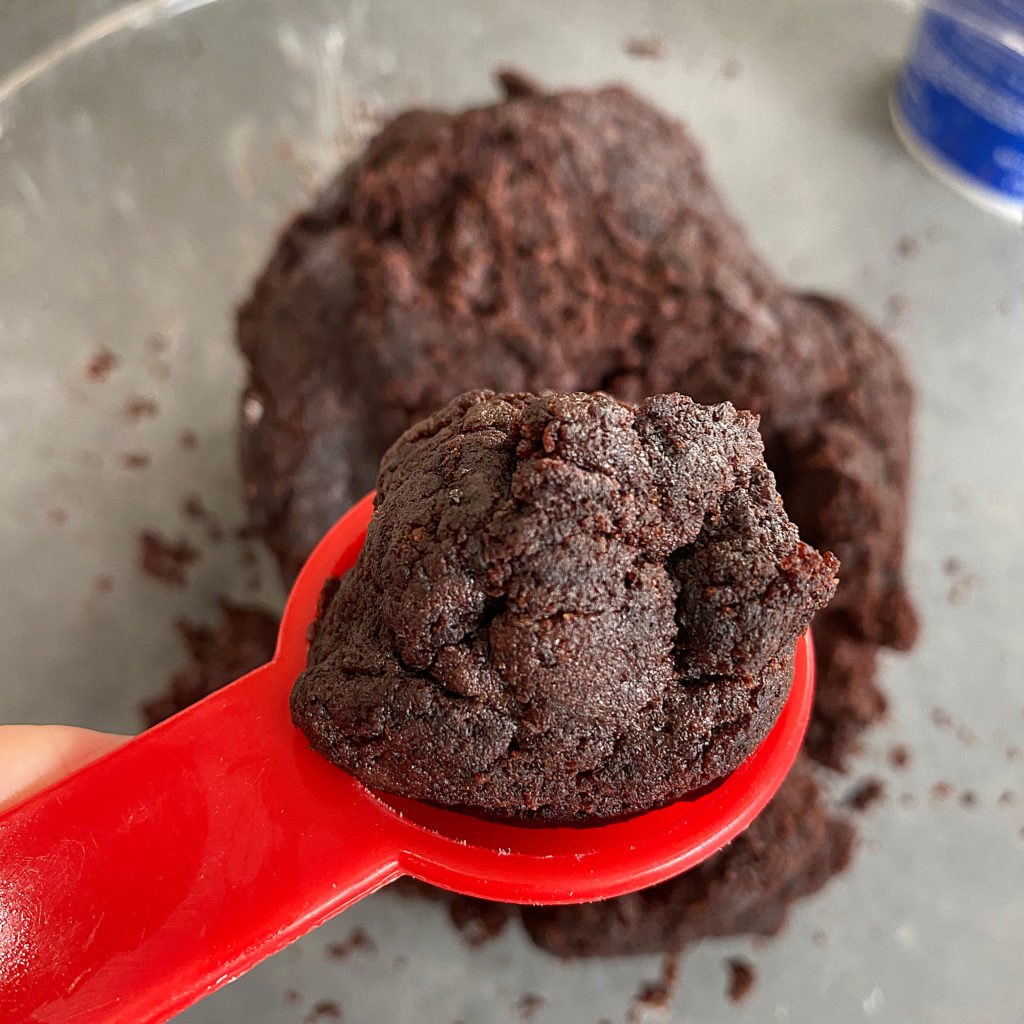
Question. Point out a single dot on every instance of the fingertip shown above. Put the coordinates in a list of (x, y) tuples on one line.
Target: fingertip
[(33, 757)]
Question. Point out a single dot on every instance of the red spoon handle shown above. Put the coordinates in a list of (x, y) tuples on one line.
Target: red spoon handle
[(178, 861), (182, 859)]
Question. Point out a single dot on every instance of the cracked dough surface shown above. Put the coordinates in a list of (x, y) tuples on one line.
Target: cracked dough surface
[(567, 607)]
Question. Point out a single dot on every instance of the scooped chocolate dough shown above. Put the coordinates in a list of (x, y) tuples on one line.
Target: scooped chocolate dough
[(567, 607), (571, 241)]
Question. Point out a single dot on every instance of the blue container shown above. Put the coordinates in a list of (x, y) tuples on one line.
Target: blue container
[(959, 106)]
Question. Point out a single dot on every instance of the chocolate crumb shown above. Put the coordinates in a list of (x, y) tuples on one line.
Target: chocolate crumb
[(1013, 753), (188, 440), (965, 735), (968, 798), (158, 343), (57, 516), (899, 756), (193, 507), (326, 1009), (292, 996), (645, 47), (741, 979), (357, 940), (100, 365), (732, 68), (103, 584), (163, 559), (138, 407), (135, 460), (476, 921), (942, 719), (528, 1005), (864, 794), (517, 84), (942, 790), (962, 588), (897, 304), (962, 582), (907, 246), (656, 995), (1007, 798)]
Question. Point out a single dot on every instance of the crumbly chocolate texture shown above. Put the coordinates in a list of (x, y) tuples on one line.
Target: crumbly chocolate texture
[(573, 242), (243, 639), (567, 607)]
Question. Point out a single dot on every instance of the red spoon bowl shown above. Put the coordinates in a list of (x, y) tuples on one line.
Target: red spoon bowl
[(172, 865)]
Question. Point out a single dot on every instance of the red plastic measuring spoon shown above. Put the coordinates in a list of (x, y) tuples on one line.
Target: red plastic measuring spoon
[(174, 864)]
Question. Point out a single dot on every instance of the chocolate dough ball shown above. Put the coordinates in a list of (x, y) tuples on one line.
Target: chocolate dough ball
[(567, 607)]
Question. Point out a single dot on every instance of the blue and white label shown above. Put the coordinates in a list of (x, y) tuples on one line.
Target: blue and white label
[(962, 95)]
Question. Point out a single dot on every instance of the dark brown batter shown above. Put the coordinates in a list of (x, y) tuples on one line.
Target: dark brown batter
[(567, 607)]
